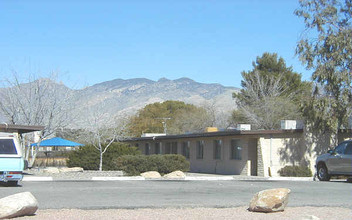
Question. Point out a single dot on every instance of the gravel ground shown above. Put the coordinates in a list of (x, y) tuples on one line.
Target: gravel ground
[(88, 174), (238, 213), (85, 175)]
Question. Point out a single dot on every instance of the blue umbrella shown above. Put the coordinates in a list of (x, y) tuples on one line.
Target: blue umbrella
[(57, 142)]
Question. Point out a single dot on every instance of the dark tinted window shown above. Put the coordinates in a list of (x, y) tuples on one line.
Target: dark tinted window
[(217, 149), (157, 148), (200, 149), (7, 146), (147, 149), (236, 150), (185, 149), (174, 148), (348, 149), (168, 148), (340, 149)]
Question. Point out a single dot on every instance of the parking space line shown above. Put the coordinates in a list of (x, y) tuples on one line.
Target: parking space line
[(120, 178), (209, 178), (37, 178)]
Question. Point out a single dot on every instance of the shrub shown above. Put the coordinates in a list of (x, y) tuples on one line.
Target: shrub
[(87, 156), (135, 165), (300, 171)]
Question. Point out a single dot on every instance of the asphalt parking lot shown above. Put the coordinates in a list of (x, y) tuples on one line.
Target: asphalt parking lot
[(86, 194)]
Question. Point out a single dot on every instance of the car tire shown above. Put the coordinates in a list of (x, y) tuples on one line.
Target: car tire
[(322, 173)]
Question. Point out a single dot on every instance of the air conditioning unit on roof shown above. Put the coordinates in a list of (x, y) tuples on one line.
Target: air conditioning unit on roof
[(244, 127), (291, 124)]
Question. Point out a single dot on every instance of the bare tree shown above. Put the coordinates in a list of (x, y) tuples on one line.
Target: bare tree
[(103, 131), (35, 101), (267, 105), (217, 115)]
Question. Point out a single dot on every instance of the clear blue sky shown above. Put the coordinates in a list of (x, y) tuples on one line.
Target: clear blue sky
[(93, 41)]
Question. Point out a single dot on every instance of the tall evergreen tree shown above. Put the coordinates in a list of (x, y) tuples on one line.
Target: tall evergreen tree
[(270, 93)]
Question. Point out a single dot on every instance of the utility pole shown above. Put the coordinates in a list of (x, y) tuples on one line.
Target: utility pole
[(164, 123)]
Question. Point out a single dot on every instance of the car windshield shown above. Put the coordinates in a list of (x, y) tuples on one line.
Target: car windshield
[(7, 146)]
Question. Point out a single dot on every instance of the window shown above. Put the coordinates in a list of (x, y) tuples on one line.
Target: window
[(236, 150), (7, 146), (174, 147), (348, 149), (185, 149), (217, 149), (340, 149), (168, 148), (147, 149), (200, 149), (157, 148)]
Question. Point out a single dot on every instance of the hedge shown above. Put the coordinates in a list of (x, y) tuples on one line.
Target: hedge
[(295, 171), (87, 156), (135, 165)]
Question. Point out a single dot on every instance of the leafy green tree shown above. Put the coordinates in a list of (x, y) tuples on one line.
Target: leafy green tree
[(270, 93), (181, 117), (326, 48)]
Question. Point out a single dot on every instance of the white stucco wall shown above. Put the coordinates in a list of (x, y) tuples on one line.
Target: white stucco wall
[(275, 151)]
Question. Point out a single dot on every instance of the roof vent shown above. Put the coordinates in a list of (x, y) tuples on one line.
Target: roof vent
[(153, 134), (211, 129)]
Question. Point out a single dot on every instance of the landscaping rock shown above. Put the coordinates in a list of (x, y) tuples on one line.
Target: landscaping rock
[(51, 170), (19, 204), (270, 200), (151, 175), (175, 175), (71, 169)]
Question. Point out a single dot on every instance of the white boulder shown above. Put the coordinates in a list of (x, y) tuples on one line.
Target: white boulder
[(19, 204), (71, 169), (151, 175), (175, 175), (270, 200), (51, 170)]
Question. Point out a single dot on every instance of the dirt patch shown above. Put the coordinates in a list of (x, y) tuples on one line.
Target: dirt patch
[(238, 213)]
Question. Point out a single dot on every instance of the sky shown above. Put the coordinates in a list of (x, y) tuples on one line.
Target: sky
[(88, 42)]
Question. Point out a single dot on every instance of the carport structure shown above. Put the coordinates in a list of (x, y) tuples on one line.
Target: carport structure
[(56, 143)]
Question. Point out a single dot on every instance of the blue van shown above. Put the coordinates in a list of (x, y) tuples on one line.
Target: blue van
[(11, 157)]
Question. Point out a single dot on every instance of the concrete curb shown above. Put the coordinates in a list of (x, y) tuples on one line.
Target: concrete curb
[(290, 179), (187, 178)]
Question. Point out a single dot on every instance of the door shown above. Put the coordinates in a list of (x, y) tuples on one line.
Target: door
[(335, 160), (252, 156), (347, 159)]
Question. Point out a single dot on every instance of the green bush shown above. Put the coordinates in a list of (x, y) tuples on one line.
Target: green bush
[(296, 171), (87, 156), (135, 165)]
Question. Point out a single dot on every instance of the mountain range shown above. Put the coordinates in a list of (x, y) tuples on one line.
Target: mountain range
[(124, 97)]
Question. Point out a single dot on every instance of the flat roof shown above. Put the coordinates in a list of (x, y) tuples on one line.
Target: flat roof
[(215, 134), (11, 128)]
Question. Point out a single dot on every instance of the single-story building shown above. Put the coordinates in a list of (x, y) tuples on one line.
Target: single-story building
[(241, 152)]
